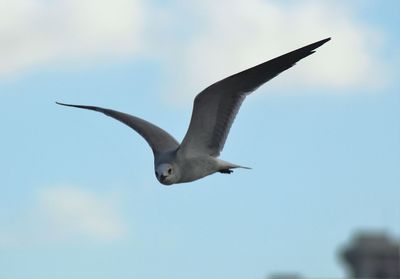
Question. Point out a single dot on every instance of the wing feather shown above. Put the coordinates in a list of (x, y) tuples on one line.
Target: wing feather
[(158, 139), (215, 108)]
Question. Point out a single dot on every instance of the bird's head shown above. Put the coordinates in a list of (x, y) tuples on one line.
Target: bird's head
[(166, 174)]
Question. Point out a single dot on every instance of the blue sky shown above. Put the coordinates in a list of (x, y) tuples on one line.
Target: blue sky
[(78, 196)]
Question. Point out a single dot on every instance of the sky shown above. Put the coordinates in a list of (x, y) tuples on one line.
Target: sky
[(78, 195)]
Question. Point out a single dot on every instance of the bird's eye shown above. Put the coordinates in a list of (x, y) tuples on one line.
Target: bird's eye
[(169, 171), (156, 174)]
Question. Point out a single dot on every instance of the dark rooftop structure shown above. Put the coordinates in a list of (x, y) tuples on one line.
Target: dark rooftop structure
[(369, 255), (285, 276), (373, 255)]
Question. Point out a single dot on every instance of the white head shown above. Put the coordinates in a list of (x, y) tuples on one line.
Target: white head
[(166, 174)]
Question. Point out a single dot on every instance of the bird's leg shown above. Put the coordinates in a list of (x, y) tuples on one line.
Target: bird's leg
[(227, 171)]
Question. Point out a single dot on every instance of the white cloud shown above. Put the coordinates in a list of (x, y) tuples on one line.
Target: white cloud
[(37, 32), (236, 34), (201, 40), (8, 240), (62, 214), (72, 211)]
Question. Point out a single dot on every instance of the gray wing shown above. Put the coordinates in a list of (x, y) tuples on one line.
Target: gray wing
[(158, 139), (215, 108)]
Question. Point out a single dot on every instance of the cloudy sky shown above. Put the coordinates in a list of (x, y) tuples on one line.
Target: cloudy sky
[(78, 196)]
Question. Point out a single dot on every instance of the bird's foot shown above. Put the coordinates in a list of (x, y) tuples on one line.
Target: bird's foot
[(227, 171)]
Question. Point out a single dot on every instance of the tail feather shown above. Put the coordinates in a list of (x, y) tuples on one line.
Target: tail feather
[(226, 167)]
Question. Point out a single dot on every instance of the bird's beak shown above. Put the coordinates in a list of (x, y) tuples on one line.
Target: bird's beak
[(162, 177)]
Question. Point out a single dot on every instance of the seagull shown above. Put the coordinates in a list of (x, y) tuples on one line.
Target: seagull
[(214, 111)]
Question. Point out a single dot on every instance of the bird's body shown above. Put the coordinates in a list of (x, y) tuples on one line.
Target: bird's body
[(187, 169), (214, 111)]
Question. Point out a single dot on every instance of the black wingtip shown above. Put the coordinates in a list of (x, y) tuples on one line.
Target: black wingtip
[(324, 41), (84, 107), (63, 104), (306, 50), (319, 43), (74, 106)]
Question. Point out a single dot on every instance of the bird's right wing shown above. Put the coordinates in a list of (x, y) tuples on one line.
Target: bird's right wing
[(215, 107), (158, 139)]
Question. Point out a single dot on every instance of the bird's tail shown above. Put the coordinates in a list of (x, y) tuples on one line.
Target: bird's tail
[(224, 165)]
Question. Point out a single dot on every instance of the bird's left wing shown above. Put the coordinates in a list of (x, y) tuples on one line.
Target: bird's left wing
[(215, 108), (158, 139)]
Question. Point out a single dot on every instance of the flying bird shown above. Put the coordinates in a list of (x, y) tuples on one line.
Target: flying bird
[(214, 111)]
